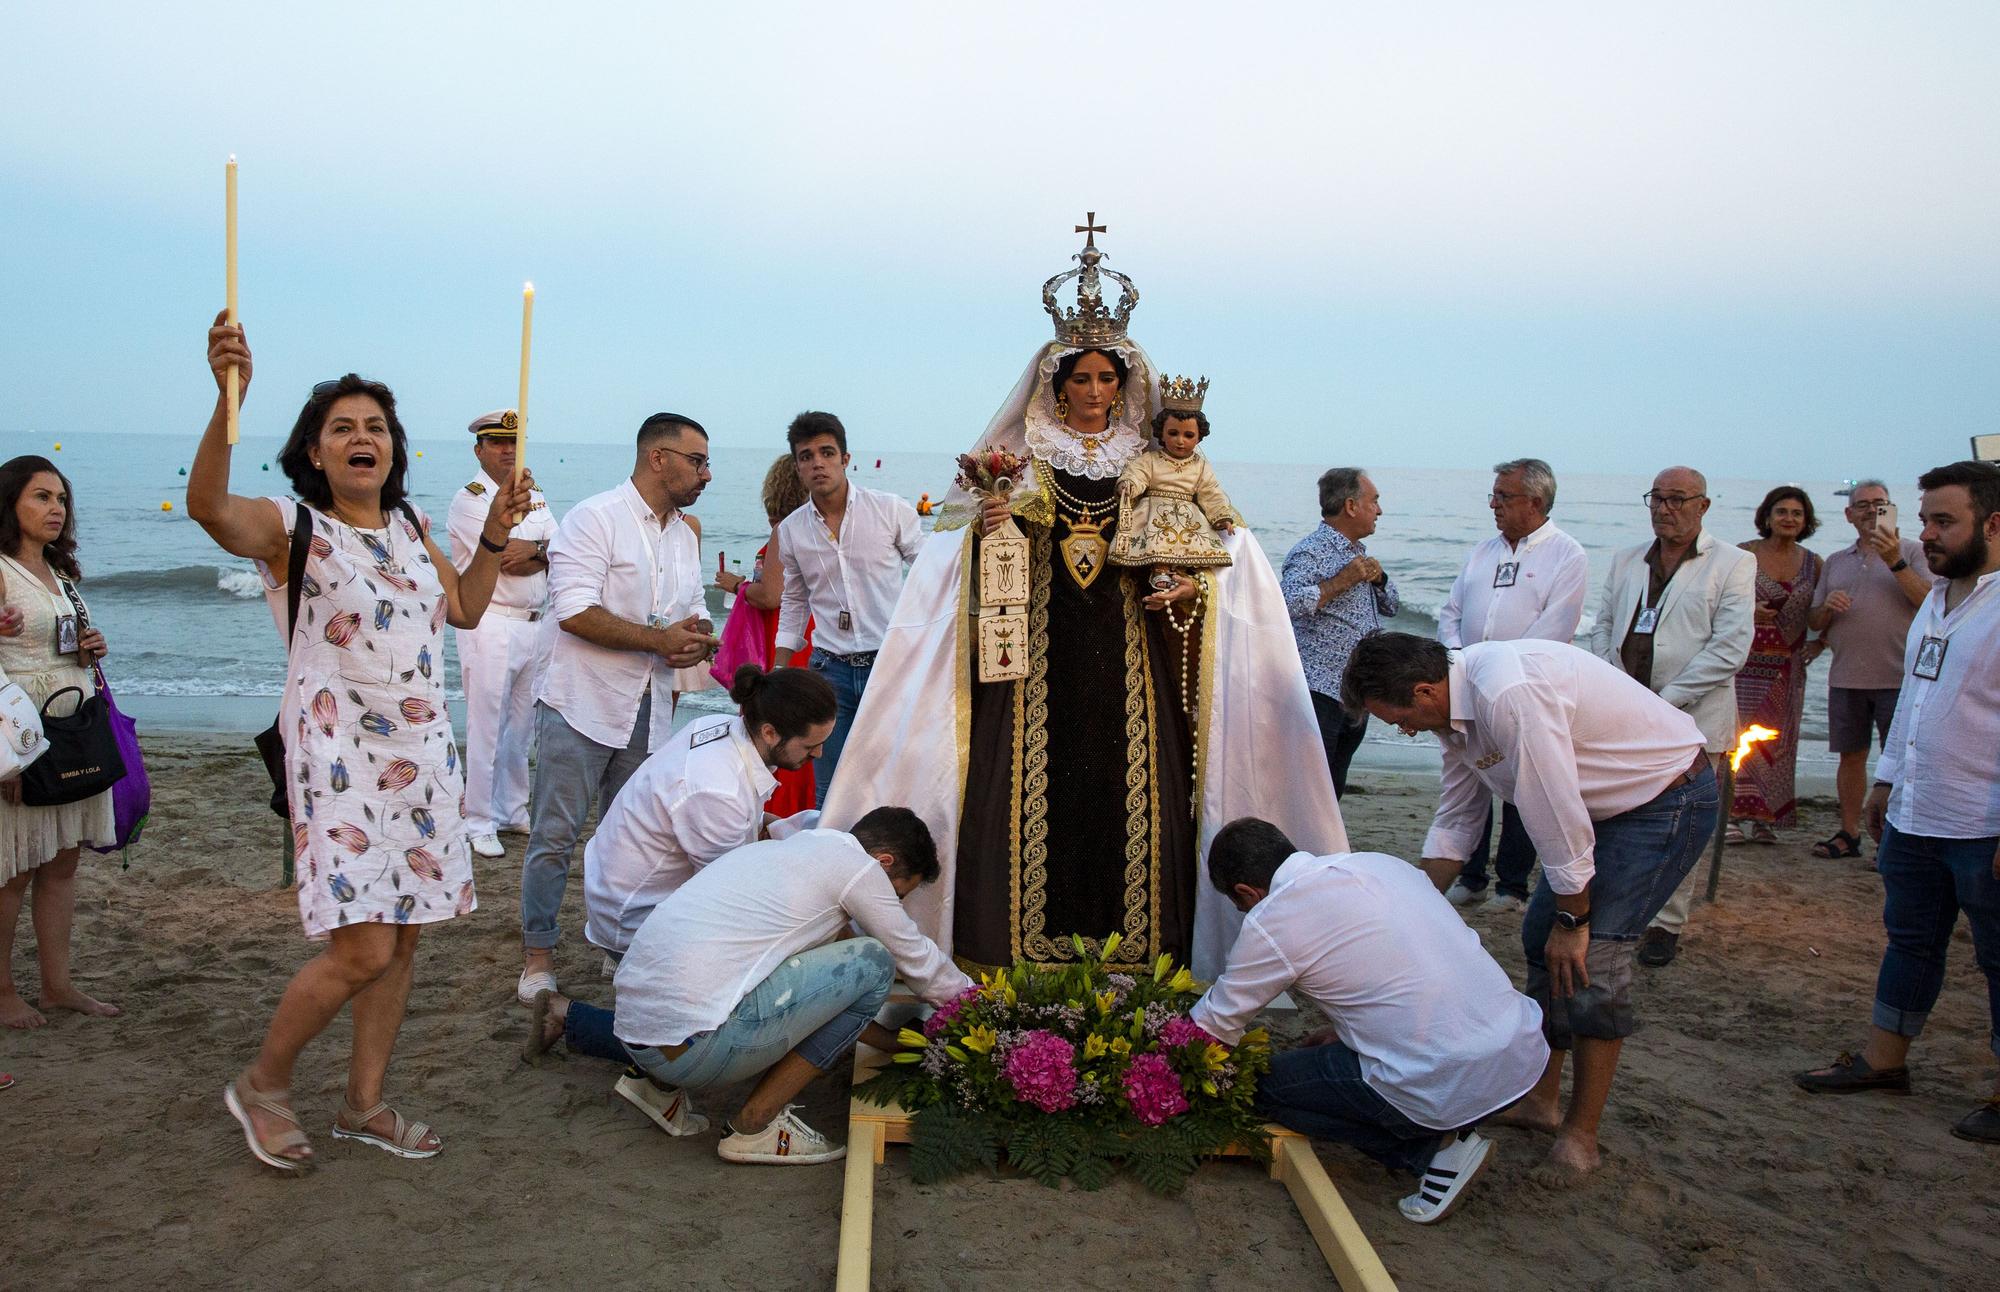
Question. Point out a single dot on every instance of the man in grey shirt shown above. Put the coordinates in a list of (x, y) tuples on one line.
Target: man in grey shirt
[(1862, 610)]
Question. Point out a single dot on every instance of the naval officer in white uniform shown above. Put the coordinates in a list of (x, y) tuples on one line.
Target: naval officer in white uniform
[(496, 660)]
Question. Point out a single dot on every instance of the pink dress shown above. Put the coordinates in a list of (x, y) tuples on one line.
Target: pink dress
[(377, 793)]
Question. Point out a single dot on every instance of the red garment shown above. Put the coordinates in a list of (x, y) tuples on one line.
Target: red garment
[(795, 789)]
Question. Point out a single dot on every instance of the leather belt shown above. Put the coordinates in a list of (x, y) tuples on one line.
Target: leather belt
[(1694, 770), (859, 659), (514, 612)]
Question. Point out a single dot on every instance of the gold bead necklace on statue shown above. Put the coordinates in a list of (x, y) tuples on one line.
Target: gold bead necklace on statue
[(1084, 510), (1187, 695)]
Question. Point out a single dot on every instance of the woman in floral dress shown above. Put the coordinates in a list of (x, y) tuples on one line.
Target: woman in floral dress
[(374, 782), (1771, 688)]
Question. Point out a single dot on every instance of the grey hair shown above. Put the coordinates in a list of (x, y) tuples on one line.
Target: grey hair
[(1536, 475), (1870, 483), (1700, 480), (1337, 486)]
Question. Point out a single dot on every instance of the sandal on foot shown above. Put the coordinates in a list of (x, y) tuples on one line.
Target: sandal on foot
[(1763, 833), (405, 1141), (1841, 844), (1982, 1124), (239, 1097), (6, 1080), (1850, 1074), (1734, 835)]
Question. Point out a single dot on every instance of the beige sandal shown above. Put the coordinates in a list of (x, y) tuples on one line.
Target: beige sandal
[(239, 1096), (406, 1140)]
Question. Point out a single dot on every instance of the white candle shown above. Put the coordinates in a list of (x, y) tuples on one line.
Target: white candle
[(233, 385)]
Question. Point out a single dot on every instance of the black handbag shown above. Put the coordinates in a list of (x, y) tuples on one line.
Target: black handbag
[(82, 758), (270, 744)]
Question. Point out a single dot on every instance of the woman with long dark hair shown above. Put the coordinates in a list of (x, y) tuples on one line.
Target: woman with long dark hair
[(46, 643), (373, 777)]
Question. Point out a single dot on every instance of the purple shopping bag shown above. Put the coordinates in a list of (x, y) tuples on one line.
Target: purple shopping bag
[(132, 796)]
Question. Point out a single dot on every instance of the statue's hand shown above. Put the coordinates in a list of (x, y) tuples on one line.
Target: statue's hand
[(1184, 589), (993, 513)]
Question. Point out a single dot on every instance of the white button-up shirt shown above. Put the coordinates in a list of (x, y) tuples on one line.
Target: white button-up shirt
[(699, 796), (1441, 1033), (860, 573), (612, 551), (466, 521), (1940, 755), (720, 934), (1565, 737), (1509, 592)]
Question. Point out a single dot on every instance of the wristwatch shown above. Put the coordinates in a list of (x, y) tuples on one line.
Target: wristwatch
[(1902, 563), (1573, 922)]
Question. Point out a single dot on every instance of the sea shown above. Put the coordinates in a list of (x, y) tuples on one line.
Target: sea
[(194, 646)]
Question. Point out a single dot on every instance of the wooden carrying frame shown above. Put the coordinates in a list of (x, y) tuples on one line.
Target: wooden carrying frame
[(871, 1128)]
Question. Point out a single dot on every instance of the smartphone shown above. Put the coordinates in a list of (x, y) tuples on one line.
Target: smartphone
[(1885, 519)]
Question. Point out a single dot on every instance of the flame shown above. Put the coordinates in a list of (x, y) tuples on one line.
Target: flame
[(1754, 734)]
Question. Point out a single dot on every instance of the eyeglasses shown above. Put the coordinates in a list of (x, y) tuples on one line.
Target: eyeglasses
[(1869, 506), (699, 460), (1497, 497), (326, 388), (1668, 501)]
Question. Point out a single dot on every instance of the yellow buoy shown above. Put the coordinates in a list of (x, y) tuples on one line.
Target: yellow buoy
[(166, 506), (420, 452), (58, 446)]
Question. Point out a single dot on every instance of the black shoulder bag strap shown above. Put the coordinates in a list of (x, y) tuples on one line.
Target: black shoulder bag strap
[(270, 742)]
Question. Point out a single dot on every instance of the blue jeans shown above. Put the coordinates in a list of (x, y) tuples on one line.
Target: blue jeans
[(1318, 1091), (848, 683), (814, 1004), (1926, 882), (1642, 856), (1512, 864), (572, 771)]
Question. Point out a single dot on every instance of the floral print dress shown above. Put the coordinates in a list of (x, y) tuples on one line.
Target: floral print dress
[(377, 793)]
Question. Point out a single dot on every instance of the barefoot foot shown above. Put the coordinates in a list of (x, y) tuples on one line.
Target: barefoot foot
[(74, 1000), (1529, 1114), (1574, 1153), (17, 1013)]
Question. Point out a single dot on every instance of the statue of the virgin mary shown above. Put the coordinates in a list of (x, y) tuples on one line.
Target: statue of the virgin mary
[(1081, 800)]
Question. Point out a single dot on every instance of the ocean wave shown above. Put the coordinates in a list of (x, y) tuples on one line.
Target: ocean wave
[(179, 581)]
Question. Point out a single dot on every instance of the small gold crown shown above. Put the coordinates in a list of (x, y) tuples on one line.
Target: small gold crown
[(1089, 324), (1182, 394)]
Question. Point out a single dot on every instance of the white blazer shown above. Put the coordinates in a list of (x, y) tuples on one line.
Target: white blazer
[(1707, 620)]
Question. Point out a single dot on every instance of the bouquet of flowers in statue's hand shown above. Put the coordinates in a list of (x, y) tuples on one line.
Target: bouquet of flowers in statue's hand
[(993, 471), (1072, 1071)]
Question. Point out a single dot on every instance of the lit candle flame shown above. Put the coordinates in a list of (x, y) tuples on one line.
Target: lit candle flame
[(1754, 734)]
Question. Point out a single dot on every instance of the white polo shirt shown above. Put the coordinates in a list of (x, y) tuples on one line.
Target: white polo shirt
[(861, 573), (612, 551), (1565, 737), (1940, 753), (1507, 592), (1441, 1033), (721, 933), (697, 797)]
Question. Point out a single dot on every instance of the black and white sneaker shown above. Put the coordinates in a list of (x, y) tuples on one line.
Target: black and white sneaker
[(1456, 1165)]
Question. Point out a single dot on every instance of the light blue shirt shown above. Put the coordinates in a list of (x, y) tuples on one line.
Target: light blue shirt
[(1328, 634)]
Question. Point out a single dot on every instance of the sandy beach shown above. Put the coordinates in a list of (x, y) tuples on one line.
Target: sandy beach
[(120, 1167)]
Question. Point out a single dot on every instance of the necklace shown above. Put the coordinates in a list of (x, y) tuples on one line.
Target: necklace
[(1086, 548), (1085, 510), (1182, 630)]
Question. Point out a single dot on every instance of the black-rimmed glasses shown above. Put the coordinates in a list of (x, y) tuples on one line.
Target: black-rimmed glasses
[(1669, 501), (699, 460)]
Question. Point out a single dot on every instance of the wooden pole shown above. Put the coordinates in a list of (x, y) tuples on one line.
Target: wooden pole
[(1721, 825), (233, 384)]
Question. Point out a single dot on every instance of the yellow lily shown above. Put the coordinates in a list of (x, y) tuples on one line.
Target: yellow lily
[(981, 1040), (1094, 1046), (910, 1036), (1215, 1056), (1182, 981), (1208, 1087), (1257, 1036), (1121, 1047), (1160, 967), (1112, 943), (1106, 1000)]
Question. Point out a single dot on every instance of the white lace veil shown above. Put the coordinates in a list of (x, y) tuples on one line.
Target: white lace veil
[(1027, 425)]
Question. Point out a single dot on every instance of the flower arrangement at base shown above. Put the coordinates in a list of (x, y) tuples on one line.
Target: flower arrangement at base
[(1071, 1072)]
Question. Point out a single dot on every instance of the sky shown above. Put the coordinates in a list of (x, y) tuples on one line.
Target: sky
[(1756, 238)]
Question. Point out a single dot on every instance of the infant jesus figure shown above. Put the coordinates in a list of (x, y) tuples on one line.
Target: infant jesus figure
[(1169, 502)]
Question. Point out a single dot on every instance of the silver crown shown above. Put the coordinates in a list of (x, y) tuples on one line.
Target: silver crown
[(1182, 394), (1089, 324)]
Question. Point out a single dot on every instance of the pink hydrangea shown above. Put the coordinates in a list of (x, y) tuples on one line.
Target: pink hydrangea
[(1181, 1031), (1041, 1067), (941, 1018), (1153, 1090)]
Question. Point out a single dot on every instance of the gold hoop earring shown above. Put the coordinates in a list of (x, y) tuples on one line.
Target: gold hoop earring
[(1062, 407), (1118, 408)]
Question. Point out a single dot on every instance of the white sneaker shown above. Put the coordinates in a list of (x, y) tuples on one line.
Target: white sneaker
[(1456, 1165), (787, 1141), (1459, 895), (666, 1107), (533, 984), (1504, 903), (487, 845)]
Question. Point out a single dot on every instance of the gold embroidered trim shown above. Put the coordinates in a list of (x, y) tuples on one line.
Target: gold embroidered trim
[(961, 689), (1204, 702), (1142, 835), (1031, 769)]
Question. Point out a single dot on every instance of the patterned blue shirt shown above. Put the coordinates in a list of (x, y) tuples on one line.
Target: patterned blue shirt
[(1327, 634)]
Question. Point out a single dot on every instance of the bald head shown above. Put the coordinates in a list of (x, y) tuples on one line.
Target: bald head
[(1678, 501)]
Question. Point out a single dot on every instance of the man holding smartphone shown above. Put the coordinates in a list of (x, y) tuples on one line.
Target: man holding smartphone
[(1867, 596)]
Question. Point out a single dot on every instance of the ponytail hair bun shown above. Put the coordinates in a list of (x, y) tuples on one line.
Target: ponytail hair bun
[(746, 682)]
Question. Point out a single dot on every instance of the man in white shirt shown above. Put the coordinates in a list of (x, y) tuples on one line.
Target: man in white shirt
[(745, 970), (1679, 614), (1935, 807), (843, 555), (496, 660), (1615, 790), (701, 795), (1529, 580), (626, 604), (1428, 1036)]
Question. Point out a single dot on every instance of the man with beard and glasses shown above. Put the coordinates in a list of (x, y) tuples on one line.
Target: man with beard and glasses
[(626, 608), (1935, 807)]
